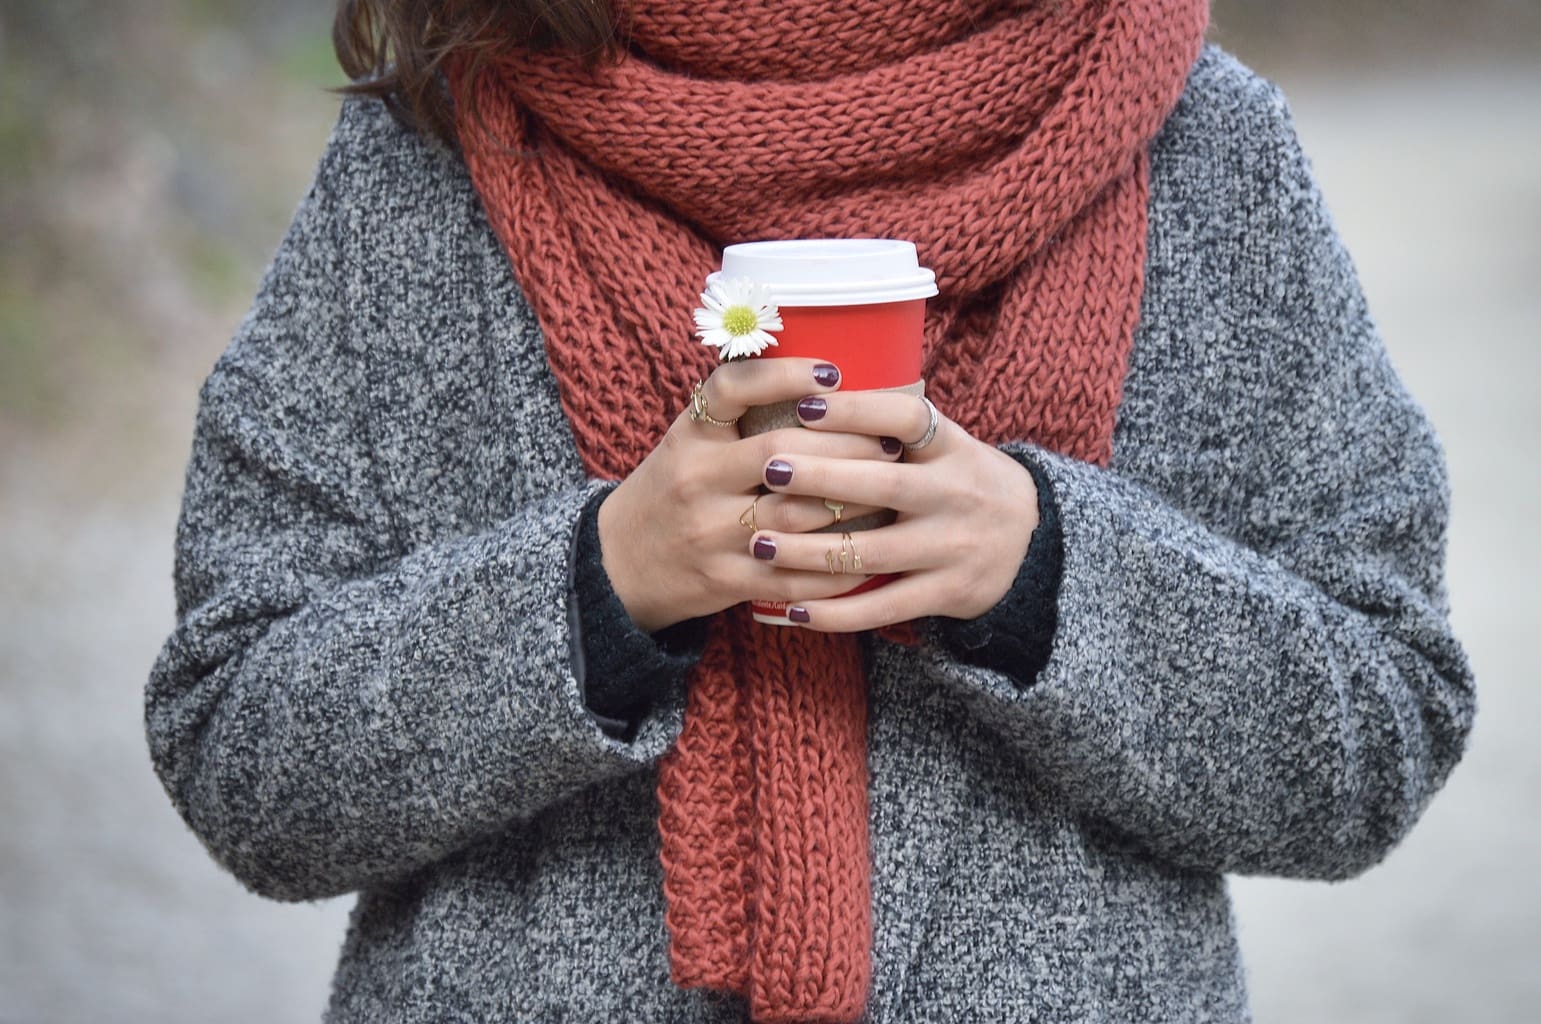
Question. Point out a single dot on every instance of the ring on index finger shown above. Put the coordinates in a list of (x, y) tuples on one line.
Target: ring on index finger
[(698, 411), (930, 433)]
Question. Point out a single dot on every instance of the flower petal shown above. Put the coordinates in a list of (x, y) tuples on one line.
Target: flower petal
[(721, 297)]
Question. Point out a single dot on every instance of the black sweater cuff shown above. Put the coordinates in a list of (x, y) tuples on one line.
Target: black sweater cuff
[(1016, 635), (624, 669)]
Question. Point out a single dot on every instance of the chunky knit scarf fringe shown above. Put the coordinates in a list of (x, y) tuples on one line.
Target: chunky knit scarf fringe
[(1009, 142)]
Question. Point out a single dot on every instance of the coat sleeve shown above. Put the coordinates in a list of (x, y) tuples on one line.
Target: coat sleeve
[(332, 711), (622, 670), (1284, 698)]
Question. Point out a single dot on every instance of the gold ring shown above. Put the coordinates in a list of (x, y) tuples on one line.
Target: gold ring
[(837, 507), (848, 560), (698, 407), (847, 541), (748, 514)]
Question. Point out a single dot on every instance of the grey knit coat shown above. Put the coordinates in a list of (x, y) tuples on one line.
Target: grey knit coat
[(371, 688)]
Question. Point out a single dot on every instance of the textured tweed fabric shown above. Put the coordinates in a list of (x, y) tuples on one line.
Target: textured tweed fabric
[(371, 686), (1009, 143)]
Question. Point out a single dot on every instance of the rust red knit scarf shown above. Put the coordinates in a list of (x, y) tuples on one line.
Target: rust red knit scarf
[(1008, 141)]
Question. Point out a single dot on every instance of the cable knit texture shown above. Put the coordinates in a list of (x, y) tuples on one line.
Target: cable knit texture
[(1009, 143)]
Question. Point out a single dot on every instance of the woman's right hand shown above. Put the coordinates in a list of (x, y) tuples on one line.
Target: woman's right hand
[(670, 535)]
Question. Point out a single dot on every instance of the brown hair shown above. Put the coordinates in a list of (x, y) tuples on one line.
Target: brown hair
[(396, 49)]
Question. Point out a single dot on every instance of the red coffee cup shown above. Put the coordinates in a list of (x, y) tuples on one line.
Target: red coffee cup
[(859, 303)]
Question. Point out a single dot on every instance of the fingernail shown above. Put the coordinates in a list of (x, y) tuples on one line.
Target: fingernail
[(812, 408), (778, 473), (891, 445), (826, 374), (765, 548), (797, 613)]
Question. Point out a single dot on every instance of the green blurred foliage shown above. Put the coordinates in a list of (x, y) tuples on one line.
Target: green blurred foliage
[(308, 60), (151, 152), (1353, 34), (19, 138), (25, 373)]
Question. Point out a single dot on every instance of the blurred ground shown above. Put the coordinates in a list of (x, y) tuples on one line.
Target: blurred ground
[(150, 154)]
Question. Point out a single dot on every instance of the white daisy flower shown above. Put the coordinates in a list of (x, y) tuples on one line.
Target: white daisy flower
[(737, 317)]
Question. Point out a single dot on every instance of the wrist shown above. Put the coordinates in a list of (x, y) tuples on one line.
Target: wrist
[(626, 579), (1016, 523), (1016, 636)]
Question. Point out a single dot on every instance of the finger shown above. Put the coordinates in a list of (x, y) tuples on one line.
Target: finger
[(901, 547), (792, 513), (740, 383), (902, 599), (894, 485), (879, 413), (762, 582), (892, 414), (743, 465)]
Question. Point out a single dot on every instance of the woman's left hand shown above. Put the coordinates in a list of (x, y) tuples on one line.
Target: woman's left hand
[(966, 511)]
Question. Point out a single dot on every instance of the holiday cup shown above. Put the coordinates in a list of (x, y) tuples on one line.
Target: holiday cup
[(859, 303)]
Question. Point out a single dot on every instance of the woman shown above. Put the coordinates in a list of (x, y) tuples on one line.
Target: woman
[(462, 561)]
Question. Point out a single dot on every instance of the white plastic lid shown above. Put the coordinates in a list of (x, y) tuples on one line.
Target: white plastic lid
[(831, 271)]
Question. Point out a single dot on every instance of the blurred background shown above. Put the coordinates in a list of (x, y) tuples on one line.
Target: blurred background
[(151, 153)]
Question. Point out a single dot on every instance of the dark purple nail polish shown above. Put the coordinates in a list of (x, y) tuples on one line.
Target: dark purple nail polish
[(765, 548), (798, 614), (826, 375), (778, 473), (812, 408), (890, 445)]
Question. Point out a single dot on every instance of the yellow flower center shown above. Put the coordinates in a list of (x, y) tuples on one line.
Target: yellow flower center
[(739, 320)]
